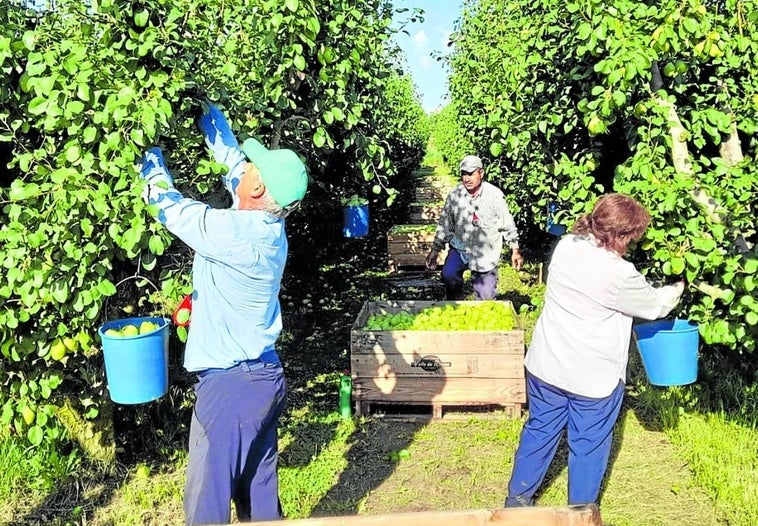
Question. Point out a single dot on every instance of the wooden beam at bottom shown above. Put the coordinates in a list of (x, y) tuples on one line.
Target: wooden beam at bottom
[(531, 516)]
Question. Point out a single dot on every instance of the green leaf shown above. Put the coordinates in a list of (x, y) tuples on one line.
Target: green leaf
[(38, 105), (73, 153), (28, 40), (106, 288), (677, 265), (149, 261), (35, 435), (140, 19), (319, 138), (89, 134), (690, 24), (155, 244), (59, 290), (291, 5)]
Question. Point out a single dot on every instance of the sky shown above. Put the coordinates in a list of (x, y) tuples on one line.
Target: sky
[(427, 38)]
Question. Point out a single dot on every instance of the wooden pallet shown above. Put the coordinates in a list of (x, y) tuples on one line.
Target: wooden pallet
[(438, 412), (587, 515)]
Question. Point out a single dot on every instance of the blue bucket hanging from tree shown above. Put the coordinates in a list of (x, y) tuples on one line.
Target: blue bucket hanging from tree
[(355, 217), (552, 227)]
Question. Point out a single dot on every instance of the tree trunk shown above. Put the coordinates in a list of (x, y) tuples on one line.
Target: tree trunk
[(730, 150), (94, 437)]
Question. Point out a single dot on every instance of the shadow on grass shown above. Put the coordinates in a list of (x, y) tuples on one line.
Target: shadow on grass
[(725, 385), (375, 448)]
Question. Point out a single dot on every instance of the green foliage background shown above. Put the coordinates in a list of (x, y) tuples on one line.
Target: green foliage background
[(85, 89), (569, 100)]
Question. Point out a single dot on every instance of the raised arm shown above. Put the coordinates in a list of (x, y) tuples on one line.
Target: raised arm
[(224, 146), (195, 223), (638, 298)]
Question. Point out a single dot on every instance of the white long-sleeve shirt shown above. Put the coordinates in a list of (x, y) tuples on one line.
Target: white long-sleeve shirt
[(581, 340)]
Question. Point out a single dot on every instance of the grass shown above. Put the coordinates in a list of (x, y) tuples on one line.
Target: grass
[(713, 429), (27, 473), (723, 456)]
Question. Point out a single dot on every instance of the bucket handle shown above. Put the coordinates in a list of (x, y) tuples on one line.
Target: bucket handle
[(124, 280)]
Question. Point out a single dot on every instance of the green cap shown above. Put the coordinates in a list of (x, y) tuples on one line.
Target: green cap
[(282, 171)]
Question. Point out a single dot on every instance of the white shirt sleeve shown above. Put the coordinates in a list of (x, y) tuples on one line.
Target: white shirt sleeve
[(636, 297)]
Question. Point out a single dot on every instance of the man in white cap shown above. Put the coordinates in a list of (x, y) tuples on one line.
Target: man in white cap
[(475, 222), (240, 255)]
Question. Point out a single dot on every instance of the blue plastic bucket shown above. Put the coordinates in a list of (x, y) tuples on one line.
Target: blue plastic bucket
[(551, 227), (669, 351), (136, 367), (355, 220)]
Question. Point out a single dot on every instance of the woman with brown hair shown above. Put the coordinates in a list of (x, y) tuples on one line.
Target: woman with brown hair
[(577, 359)]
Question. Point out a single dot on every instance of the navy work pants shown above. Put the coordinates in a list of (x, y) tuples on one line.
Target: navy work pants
[(589, 422), (233, 449), (485, 283)]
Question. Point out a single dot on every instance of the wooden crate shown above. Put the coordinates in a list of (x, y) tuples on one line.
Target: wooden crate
[(445, 181), (428, 212), (586, 515), (435, 368), (431, 193), (408, 246)]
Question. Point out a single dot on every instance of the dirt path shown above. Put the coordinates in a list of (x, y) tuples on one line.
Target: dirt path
[(467, 465)]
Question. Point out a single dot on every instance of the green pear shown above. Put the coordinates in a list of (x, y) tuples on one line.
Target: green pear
[(129, 330), (147, 327)]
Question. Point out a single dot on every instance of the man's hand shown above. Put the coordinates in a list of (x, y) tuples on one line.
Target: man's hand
[(431, 259), (517, 260), (153, 171)]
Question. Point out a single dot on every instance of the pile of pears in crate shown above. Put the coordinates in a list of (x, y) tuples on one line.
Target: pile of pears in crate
[(475, 316)]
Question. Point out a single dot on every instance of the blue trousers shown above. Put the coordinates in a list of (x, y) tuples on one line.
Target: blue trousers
[(233, 450), (589, 422), (485, 283)]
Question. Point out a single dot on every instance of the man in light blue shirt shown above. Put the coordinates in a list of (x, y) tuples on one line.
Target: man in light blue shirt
[(240, 254)]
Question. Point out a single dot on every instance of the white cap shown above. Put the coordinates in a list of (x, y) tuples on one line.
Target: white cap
[(470, 163)]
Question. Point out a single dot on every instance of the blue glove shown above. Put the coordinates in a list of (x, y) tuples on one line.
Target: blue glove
[(225, 148), (215, 128), (153, 171)]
